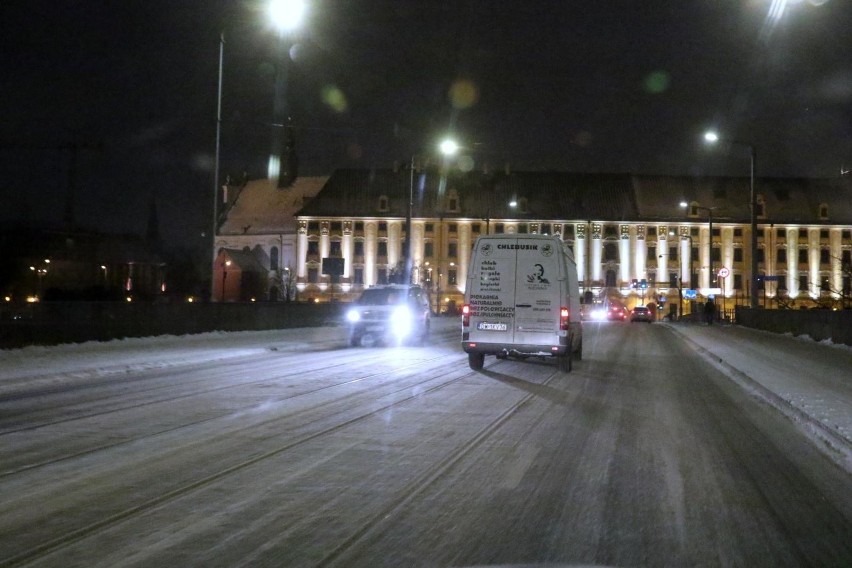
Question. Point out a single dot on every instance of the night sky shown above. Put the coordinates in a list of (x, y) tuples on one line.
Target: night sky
[(606, 86)]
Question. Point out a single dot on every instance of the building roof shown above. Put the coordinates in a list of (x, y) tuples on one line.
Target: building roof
[(576, 196), (260, 207)]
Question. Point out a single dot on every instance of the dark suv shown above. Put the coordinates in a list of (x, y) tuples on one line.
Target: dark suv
[(391, 314)]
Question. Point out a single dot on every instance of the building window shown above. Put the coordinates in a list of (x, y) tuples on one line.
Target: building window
[(313, 226), (383, 275), (803, 283), (452, 250), (359, 227), (334, 249), (738, 255), (824, 256), (846, 235), (522, 228), (428, 249), (383, 248), (383, 227), (823, 211), (383, 203), (273, 258), (313, 275), (672, 252), (803, 256), (694, 231), (359, 248), (782, 256), (499, 228), (652, 252), (716, 255), (336, 227), (780, 233), (430, 227), (453, 228), (609, 231), (452, 277), (476, 228), (738, 281), (453, 204), (846, 259), (673, 279), (738, 232), (652, 231), (546, 229), (313, 248), (359, 276), (610, 252)]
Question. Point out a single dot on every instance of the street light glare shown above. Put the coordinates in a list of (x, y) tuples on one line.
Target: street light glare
[(711, 137), (286, 15), (449, 147)]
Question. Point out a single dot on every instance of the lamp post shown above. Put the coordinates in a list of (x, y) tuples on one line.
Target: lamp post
[(214, 224), (712, 137), (225, 266), (286, 16), (448, 147)]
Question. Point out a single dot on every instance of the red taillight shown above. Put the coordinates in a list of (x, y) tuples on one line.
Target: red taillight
[(466, 315), (564, 316)]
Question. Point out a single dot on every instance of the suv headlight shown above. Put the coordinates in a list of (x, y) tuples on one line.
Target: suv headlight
[(401, 321), (353, 316)]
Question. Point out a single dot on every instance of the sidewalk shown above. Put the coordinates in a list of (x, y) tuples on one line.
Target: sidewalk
[(809, 382)]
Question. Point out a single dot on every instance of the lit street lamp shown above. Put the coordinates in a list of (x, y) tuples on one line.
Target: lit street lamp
[(285, 15), (712, 137), (448, 147)]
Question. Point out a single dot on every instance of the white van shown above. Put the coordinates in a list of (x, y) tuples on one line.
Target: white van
[(522, 299)]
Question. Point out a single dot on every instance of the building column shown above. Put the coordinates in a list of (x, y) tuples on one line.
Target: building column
[(814, 281), (793, 262), (662, 257), (302, 251), (835, 244), (464, 245), (727, 256), (597, 253), (685, 253), (640, 252), (581, 253), (370, 252), (347, 249), (624, 258)]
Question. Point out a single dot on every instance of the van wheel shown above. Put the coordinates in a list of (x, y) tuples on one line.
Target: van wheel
[(476, 361), (566, 362)]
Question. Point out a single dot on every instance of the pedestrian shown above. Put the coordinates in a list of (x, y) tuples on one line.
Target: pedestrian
[(709, 312)]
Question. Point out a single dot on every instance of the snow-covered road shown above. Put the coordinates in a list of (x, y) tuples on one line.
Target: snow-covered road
[(288, 448)]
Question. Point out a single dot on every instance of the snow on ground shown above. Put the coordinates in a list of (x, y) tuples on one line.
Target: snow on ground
[(810, 382)]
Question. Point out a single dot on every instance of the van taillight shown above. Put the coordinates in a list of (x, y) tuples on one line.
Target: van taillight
[(564, 316), (466, 315)]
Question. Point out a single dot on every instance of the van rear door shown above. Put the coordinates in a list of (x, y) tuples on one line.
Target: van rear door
[(537, 282), (491, 298)]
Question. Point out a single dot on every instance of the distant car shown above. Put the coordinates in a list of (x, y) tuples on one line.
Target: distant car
[(616, 313), (641, 313), (389, 315)]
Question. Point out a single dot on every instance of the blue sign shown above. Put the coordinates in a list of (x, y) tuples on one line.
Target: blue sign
[(690, 294)]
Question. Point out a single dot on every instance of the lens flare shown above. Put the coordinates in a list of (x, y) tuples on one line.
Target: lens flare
[(463, 94)]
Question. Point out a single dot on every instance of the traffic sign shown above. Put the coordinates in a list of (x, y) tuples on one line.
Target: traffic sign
[(724, 272), (690, 294)]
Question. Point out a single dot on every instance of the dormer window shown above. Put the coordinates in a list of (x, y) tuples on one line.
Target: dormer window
[(823, 211), (760, 206), (383, 203), (453, 201)]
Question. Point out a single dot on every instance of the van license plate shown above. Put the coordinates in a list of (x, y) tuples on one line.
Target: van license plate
[(485, 326)]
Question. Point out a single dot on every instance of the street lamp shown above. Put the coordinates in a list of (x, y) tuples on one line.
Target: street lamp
[(712, 138), (286, 16), (447, 147)]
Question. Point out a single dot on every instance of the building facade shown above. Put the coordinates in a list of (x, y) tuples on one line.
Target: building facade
[(630, 235)]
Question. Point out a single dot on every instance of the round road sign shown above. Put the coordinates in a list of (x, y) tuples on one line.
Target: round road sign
[(724, 272)]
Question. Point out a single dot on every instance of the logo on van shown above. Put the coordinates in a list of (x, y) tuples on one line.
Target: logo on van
[(537, 277), (486, 249), (546, 250)]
